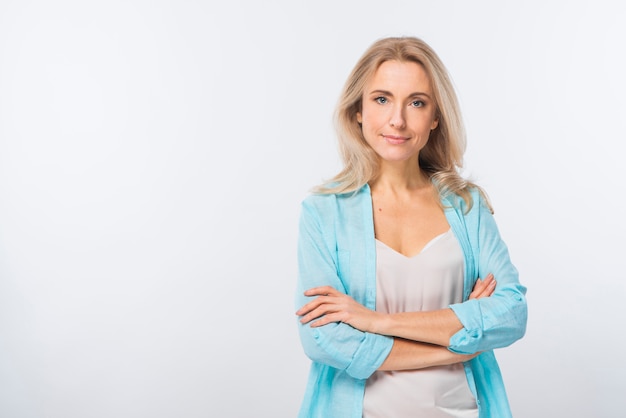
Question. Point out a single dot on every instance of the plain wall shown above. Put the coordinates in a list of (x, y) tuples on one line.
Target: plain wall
[(153, 156)]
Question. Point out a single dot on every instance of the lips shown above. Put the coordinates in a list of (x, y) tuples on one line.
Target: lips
[(395, 139)]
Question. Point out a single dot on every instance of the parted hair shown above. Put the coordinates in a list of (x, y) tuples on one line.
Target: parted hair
[(442, 156)]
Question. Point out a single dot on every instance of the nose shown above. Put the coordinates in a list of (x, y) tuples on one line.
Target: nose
[(396, 118)]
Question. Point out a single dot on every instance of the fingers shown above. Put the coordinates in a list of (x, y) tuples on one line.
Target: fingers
[(322, 312), (322, 290), (483, 288), (314, 304), (327, 307), (324, 309), (327, 319), (490, 285)]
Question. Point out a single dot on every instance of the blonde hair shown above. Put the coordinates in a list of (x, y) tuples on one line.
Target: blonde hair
[(441, 158)]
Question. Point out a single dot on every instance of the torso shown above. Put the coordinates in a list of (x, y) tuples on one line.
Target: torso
[(407, 223), (431, 279)]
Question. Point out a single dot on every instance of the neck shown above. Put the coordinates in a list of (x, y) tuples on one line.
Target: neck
[(404, 176)]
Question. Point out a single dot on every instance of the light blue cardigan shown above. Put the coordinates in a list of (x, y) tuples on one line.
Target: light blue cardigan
[(336, 247)]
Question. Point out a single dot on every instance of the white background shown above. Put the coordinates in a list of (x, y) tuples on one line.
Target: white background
[(153, 156)]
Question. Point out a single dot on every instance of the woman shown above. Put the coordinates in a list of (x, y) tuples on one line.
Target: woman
[(393, 310)]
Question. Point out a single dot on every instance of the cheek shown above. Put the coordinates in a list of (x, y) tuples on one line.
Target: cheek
[(371, 118)]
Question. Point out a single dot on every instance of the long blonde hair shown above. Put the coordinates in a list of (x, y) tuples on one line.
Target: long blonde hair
[(441, 158)]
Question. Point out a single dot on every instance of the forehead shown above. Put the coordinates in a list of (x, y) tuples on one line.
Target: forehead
[(400, 75)]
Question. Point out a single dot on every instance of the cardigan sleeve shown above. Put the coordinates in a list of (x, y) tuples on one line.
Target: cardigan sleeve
[(499, 320), (336, 344)]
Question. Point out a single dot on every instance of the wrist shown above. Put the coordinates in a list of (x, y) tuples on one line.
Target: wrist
[(380, 324)]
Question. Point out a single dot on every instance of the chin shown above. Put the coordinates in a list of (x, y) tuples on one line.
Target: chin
[(391, 157)]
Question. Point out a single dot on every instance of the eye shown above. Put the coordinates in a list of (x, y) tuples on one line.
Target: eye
[(381, 100), (418, 103)]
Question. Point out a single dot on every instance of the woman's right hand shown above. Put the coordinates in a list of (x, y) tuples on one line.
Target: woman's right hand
[(483, 288)]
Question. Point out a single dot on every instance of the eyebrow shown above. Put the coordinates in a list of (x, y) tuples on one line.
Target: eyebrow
[(388, 93)]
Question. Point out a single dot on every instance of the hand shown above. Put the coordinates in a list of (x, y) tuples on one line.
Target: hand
[(483, 288), (334, 306)]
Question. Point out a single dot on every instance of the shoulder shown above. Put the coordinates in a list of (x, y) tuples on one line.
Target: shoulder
[(471, 202), (334, 201), (318, 202)]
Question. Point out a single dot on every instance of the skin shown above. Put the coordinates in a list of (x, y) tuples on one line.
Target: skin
[(408, 352), (397, 115)]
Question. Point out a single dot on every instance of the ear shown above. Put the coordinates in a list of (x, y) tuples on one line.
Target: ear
[(359, 117), (434, 124)]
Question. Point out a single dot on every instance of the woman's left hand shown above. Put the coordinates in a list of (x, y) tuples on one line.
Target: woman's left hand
[(333, 306)]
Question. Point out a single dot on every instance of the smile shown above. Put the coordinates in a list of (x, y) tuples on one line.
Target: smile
[(394, 139)]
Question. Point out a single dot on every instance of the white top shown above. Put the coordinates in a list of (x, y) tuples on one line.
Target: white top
[(430, 280)]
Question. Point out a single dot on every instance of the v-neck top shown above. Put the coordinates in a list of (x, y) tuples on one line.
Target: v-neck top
[(429, 280)]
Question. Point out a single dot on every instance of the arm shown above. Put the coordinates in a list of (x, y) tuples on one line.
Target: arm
[(432, 327), (338, 345), (481, 324), (499, 320), (413, 355)]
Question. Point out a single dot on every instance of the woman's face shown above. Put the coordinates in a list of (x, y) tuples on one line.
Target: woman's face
[(398, 111)]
